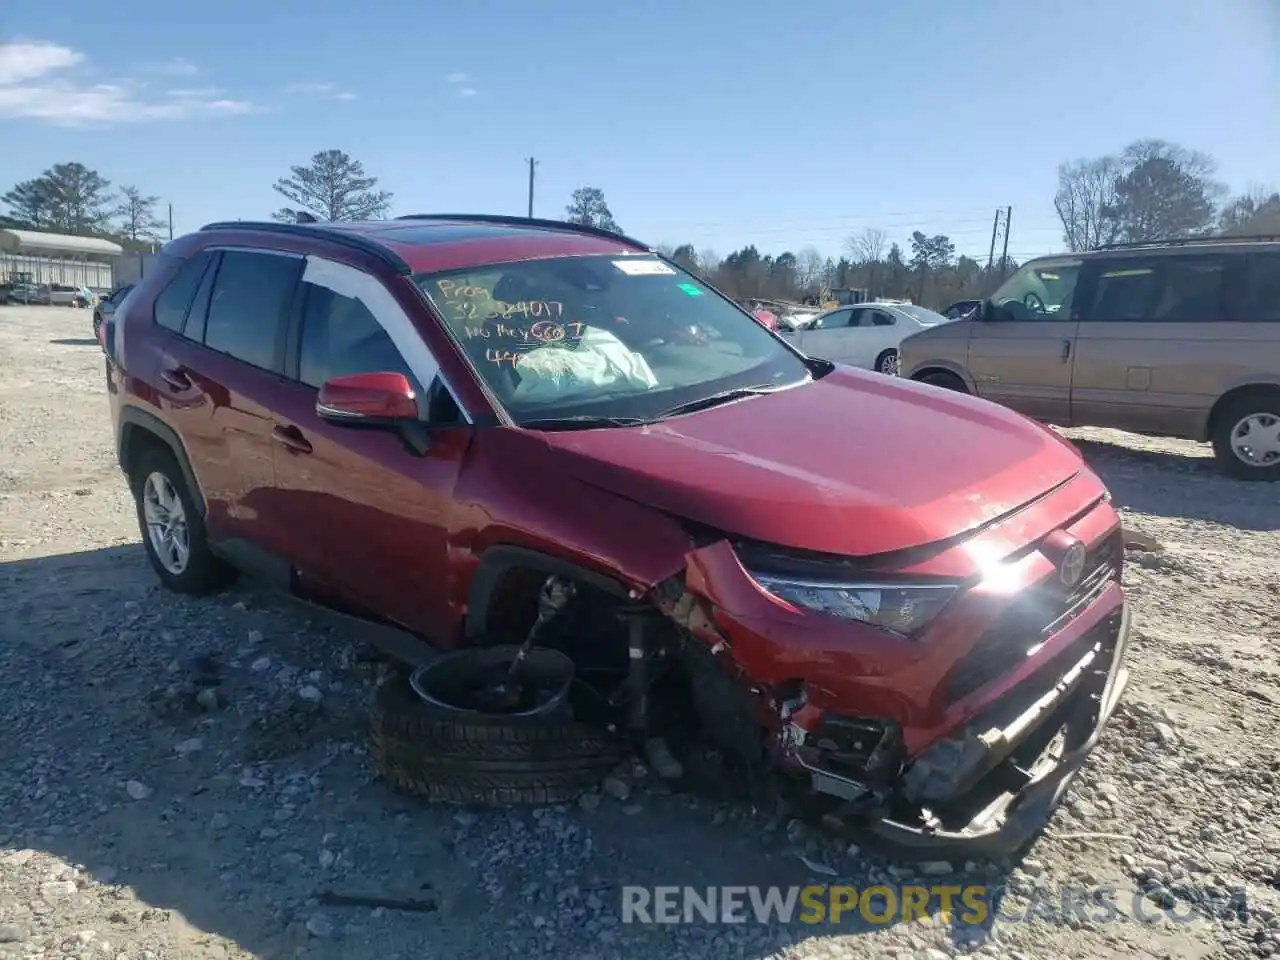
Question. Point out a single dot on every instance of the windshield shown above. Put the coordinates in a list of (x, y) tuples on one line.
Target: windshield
[(618, 336), (1039, 290), (922, 314)]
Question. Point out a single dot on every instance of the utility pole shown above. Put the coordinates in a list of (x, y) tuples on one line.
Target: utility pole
[(532, 163), (995, 227), (171, 221), (1004, 256)]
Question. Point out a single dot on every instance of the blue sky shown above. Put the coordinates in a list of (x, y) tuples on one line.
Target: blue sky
[(716, 124)]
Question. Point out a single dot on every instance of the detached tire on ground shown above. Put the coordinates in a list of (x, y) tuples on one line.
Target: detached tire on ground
[(484, 760)]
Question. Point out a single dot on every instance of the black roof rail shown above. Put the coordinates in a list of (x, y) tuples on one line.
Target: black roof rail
[(1189, 241), (501, 218), (343, 238)]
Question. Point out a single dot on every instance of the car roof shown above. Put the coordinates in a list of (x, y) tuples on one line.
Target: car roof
[(436, 242), (1177, 247)]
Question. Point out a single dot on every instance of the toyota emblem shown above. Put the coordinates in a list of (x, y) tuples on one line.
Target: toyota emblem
[(1072, 567)]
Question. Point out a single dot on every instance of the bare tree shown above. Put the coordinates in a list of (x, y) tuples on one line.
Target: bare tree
[(1256, 211), (809, 268), (867, 246), (1166, 191), (333, 187), (137, 213), (1086, 202)]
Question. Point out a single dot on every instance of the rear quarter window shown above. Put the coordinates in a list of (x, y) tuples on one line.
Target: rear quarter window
[(1262, 289), (174, 300)]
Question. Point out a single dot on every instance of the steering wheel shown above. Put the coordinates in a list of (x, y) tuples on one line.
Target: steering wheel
[(1033, 302)]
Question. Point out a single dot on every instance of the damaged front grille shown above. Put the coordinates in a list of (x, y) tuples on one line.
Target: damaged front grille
[(1032, 618)]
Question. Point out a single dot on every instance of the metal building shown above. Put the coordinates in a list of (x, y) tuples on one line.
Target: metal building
[(57, 258)]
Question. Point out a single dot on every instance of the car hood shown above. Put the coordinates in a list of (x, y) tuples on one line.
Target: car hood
[(854, 464)]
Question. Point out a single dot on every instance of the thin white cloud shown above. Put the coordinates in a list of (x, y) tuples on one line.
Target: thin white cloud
[(39, 81), (462, 83), (196, 93), (29, 60), (310, 88), (177, 67), (329, 90)]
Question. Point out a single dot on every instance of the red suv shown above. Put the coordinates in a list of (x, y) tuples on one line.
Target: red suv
[(907, 596)]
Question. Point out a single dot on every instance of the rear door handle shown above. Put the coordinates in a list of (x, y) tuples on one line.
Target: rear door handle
[(1066, 350), (176, 378), (291, 438)]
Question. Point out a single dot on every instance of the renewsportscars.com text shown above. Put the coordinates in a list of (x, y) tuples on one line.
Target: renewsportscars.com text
[(973, 904)]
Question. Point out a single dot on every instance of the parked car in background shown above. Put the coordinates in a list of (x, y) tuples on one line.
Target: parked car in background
[(798, 320), (461, 424), (106, 307), (1178, 338), (62, 295), (866, 335)]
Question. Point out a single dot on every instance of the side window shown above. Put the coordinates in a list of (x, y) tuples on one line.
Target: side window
[(247, 307), (198, 315), (1190, 290), (1261, 300), (1126, 290), (174, 299), (837, 318), (860, 318), (340, 337), (881, 319)]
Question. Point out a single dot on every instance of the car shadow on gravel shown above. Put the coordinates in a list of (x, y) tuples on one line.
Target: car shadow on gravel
[(1169, 484), (76, 342), (197, 766)]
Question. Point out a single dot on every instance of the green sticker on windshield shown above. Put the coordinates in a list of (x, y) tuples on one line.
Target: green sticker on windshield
[(690, 290)]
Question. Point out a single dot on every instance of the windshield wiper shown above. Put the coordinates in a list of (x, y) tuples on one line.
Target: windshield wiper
[(724, 396), (581, 422)]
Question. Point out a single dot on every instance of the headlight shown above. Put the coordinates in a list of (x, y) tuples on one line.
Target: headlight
[(900, 608)]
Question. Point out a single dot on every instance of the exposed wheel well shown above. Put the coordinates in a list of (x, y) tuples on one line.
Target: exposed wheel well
[(504, 590), (1224, 402), (692, 698)]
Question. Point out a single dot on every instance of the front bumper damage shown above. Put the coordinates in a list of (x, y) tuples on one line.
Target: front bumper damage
[(987, 790)]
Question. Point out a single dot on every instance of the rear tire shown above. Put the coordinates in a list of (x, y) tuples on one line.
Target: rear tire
[(948, 381), (484, 760), (1246, 436), (887, 363), (192, 568)]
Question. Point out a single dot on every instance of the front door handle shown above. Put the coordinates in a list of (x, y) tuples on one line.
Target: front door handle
[(176, 378), (291, 439), (1066, 350)]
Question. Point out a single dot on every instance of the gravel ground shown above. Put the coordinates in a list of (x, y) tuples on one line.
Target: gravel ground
[(188, 778)]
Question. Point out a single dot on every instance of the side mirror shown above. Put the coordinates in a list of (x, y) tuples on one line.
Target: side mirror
[(367, 399)]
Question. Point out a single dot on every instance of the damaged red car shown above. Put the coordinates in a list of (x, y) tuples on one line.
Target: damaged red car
[(475, 429)]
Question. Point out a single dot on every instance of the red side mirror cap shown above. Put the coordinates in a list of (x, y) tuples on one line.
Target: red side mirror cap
[(367, 397)]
